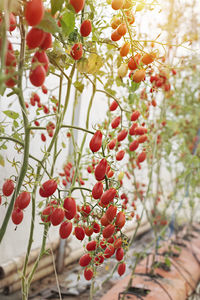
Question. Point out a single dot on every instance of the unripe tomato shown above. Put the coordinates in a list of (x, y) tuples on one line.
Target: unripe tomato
[(34, 12), (34, 38), (121, 269), (79, 233), (48, 188), (139, 75), (115, 122), (77, 51), (77, 4), (8, 187), (113, 105), (96, 141), (120, 155), (119, 254), (117, 4), (70, 208), (148, 58), (122, 71), (122, 135), (130, 16), (88, 274), (120, 219), (57, 216), (17, 216), (111, 212), (65, 229), (134, 145), (47, 41), (124, 50), (41, 57), (23, 200), (122, 29), (86, 28), (100, 170), (115, 22), (108, 231), (108, 196), (97, 190), (127, 4)]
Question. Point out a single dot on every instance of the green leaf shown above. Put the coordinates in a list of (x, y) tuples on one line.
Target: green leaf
[(48, 24), (15, 123), (2, 162), (63, 145), (11, 114), (56, 5), (68, 22), (79, 86)]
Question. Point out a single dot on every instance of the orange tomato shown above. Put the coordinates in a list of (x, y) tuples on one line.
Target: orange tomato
[(125, 49), (115, 22), (122, 29), (148, 58), (130, 17), (115, 36), (127, 4), (139, 75), (117, 4)]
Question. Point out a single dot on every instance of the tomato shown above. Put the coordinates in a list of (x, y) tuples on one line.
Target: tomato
[(8, 187), (99, 259), (120, 155), (17, 216), (115, 122), (143, 138), (115, 36), (91, 246), (34, 38), (46, 214), (112, 144), (43, 137), (57, 216), (108, 196), (97, 190), (122, 71), (140, 130), (113, 105), (70, 208), (96, 141), (115, 22), (88, 274), (96, 227), (65, 229), (34, 12), (122, 135), (111, 212), (119, 254), (121, 269), (12, 80), (135, 115), (86, 28), (120, 219), (77, 51), (48, 188), (89, 230), (134, 62), (100, 170), (10, 59), (79, 233), (85, 210), (108, 231), (139, 75), (109, 251), (23, 200), (117, 4), (37, 76), (134, 145), (124, 50), (141, 157), (130, 16), (85, 260), (148, 58), (118, 243), (122, 29), (104, 220), (41, 57), (47, 41), (77, 4)]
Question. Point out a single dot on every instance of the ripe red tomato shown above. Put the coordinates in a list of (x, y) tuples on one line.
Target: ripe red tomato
[(100, 170), (57, 216), (86, 28), (134, 145), (120, 155), (85, 260), (12, 80), (97, 190), (111, 212), (48, 188), (91, 246), (89, 230), (120, 219), (47, 42), (113, 105), (108, 231), (122, 135), (41, 57), (140, 130), (23, 200), (65, 229), (118, 243), (96, 227), (17, 216), (108, 196), (43, 137), (109, 251), (35, 37), (143, 138), (121, 269), (34, 12), (77, 51), (134, 62), (77, 4), (96, 141), (37, 76), (112, 144), (104, 220), (8, 187), (85, 210), (99, 259), (10, 59), (119, 254), (115, 123), (135, 115), (141, 157), (79, 233), (132, 128), (70, 208), (88, 274)]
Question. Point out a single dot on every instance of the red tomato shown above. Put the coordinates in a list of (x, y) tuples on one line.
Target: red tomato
[(37, 76), (57, 216), (34, 38), (115, 123), (120, 219), (119, 254), (46, 214), (122, 135), (112, 144), (47, 41), (118, 243), (89, 231), (99, 259), (108, 196), (23, 200), (12, 22), (77, 4), (96, 141), (42, 58), (65, 229), (86, 28), (100, 170), (113, 105), (134, 145), (120, 155), (108, 231), (121, 269), (140, 130), (10, 59), (85, 260), (8, 187), (97, 190), (141, 157), (135, 115), (91, 246), (132, 128), (79, 233), (111, 212), (104, 220), (109, 251), (142, 139), (17, 216), (88, 274), (77, 51), (134, 62), (48, 188), (43, 137), (34, 12), (85, 210), (96, 227), (70, 208)]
